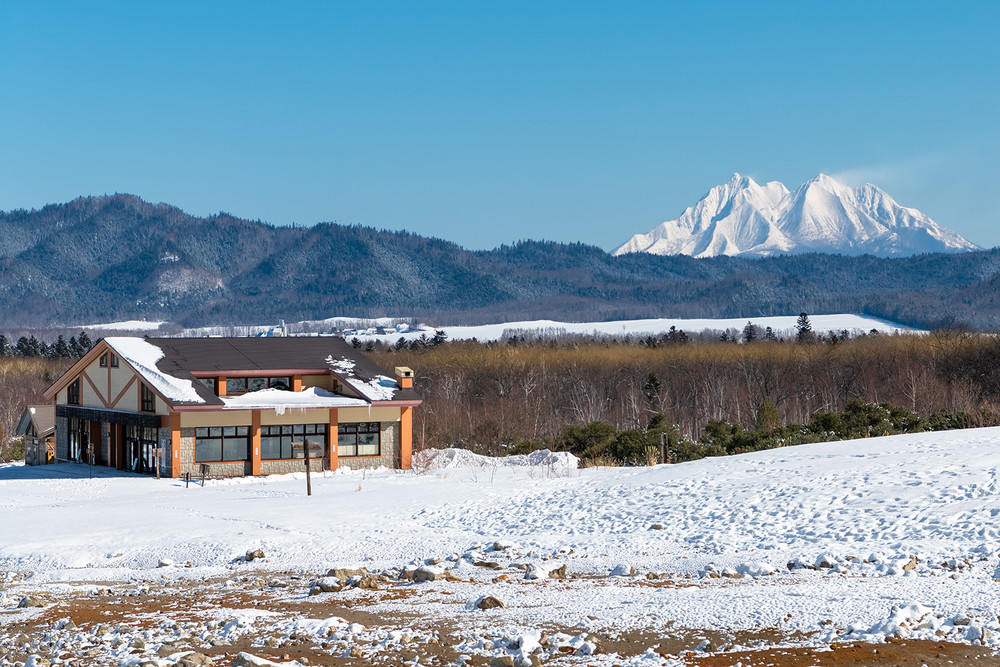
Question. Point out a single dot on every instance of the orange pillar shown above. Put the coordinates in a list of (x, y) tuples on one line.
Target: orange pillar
[(332, 440), (255, 442), (175, 444), (406, 438), (296, 383)]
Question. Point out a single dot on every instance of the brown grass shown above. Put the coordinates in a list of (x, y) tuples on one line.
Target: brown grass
[(492, 395)]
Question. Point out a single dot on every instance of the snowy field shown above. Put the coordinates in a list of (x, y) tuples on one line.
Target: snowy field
[(843, 540), (783, 326)]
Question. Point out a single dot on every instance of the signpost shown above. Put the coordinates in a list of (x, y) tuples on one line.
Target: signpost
[(307, 451)]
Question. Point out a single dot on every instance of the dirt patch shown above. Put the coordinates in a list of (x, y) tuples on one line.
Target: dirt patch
[(900, 653)]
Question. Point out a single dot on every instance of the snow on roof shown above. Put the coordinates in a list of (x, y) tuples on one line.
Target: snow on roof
[(143, 356), (280, 400), (378, 388)]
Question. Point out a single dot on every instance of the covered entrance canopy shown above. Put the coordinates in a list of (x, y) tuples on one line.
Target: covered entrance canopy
[(115, 438)]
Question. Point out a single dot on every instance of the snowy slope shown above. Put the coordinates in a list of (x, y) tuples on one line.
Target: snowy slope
[(865, 508), (822, 215), (783, 325)]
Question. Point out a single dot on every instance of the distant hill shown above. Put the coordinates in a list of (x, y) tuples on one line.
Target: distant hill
[(112, 258), (822, 215)]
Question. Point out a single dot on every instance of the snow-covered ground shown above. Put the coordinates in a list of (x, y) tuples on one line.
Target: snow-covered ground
[(783, 325), (861, 538)]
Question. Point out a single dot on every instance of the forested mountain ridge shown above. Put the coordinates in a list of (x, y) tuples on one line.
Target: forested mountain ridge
[(118, 257)]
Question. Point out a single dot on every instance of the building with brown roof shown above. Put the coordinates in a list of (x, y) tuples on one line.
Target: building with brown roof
[(38, 428), (240, 406)]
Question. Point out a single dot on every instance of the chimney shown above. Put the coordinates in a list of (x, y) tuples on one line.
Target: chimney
[(404, 377)]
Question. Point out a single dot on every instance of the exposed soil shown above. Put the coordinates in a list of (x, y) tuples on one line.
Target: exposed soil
[(186, 608), (894, 652)]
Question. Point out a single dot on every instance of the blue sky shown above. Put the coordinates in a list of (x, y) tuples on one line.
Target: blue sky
[(487, 123)]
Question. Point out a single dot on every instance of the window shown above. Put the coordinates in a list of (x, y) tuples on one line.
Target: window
[(364, 439), (104, 361), (243, 385), (114, 361), (73, 392), (148, 399), (208, 382), (276, 442), (236, 386), (221, 443), (79, 438), (140, 449)]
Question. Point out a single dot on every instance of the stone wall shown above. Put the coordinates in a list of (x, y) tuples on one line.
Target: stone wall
[(228, 469), (296, 465), (62, 438), (390, 451), (389, 458)]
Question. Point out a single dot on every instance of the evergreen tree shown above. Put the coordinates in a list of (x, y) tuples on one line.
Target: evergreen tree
[(767, 419), (5, 349), (804, 328), (675, 335), (60, 349), (769, 334), (439, 337), (651, 389), (85, 343), (750, 332)]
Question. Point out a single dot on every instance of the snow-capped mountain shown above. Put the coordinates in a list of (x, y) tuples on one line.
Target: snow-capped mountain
[(742, 217)]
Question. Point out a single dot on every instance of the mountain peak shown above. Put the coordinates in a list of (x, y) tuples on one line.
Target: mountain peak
[(822, 215)]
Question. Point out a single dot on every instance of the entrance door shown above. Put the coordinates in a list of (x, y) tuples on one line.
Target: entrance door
[(96, 433)]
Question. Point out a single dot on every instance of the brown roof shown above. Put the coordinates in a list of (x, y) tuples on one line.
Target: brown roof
[(184, 356), (43, 416)]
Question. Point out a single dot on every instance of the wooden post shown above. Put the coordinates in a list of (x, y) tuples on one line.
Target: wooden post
[(664, 451), (331, 440), (306, 449), (204, 473), (187, 480), (255, 443), (406, 438), (309, 486), (175, 444)]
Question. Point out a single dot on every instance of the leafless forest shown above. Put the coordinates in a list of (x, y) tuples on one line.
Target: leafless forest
[(497, 396), (494, 396), (22, 381)]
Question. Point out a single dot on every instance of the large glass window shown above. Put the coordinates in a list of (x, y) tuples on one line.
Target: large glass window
[(221, 443), (78, 438), (140, 449), (236, 386), (243, 385), (276, 442), (364, 439), (209, 383)]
